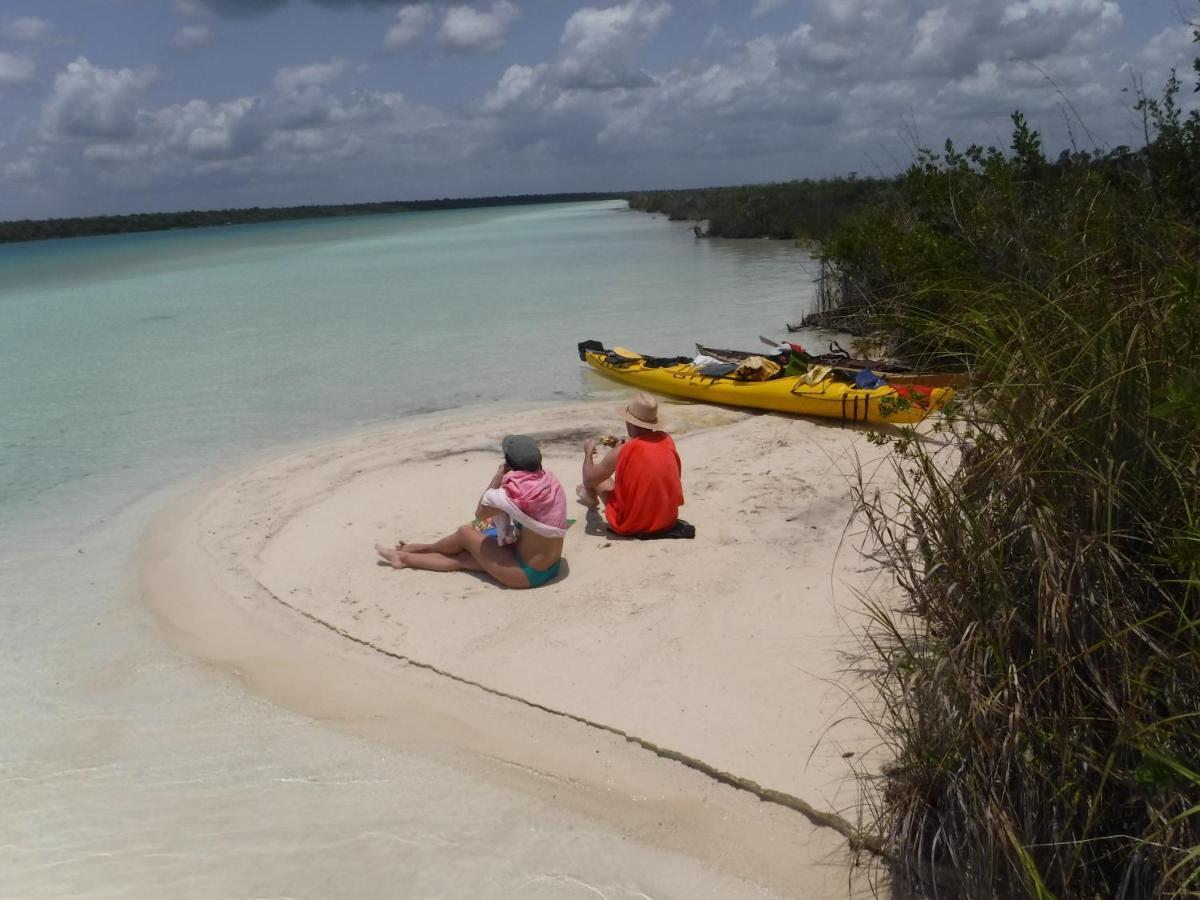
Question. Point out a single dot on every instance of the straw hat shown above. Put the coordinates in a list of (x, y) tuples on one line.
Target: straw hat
[(643, 412)]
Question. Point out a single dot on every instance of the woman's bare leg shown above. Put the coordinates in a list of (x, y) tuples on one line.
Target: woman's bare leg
[(499, 562), (391, 555), (450, 545), (484, 555), (439, 562)]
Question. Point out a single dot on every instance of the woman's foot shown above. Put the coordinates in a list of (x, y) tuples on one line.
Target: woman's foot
[(409, 547), (391, 555), (586, 497)]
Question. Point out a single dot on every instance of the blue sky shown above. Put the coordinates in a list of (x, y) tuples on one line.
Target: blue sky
[(116, 106)]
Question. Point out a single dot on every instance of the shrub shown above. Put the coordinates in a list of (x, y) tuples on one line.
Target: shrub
[(1041, 680)]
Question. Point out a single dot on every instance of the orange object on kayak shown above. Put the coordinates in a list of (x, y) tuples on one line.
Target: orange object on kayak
[(648, 490)]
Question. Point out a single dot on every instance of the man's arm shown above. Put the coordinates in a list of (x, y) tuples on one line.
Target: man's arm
[(596, 473)]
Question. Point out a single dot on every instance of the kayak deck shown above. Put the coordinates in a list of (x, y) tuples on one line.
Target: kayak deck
[(830, 399), (895, 374)]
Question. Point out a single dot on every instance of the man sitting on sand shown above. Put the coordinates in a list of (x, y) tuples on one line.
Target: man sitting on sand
[(523, 546), (638, 480)]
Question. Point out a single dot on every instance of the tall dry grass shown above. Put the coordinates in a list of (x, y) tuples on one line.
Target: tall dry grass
[(1042, 686), (1040, 683)]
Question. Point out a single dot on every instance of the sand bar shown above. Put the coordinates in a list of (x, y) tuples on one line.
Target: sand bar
[(723, 655)]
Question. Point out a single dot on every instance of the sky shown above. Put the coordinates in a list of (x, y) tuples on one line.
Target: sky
[(119, 106)]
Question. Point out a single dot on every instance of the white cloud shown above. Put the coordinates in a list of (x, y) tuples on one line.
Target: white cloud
[(1044, 10), (295, 78), (24, 169), (1037, 29), (116, 154), (856, 77), (857, 16), (15, 69), (88, 101), (1171, 48), (851, 83), (568, 102), (952, 39), (208, 131), (27, 30), (296, 130), (516, 85), (372, 108), (467, 29), (765, 7), (410, 24), (191, 36), (316, 143), (309, 108), (599, 46), (32, 177), (1170, 44), (805, 49), (194, 9)]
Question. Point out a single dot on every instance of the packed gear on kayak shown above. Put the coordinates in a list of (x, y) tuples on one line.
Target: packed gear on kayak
[(827, 391)]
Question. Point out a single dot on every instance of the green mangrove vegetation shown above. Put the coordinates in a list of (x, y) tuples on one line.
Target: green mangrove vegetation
[(1039, 675), (794, 210), (43, 229)]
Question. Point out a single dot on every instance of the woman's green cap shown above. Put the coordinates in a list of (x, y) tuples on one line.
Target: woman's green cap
[(521, 452)]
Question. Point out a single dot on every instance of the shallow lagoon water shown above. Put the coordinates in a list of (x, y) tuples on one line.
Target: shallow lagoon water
[(133, 366)]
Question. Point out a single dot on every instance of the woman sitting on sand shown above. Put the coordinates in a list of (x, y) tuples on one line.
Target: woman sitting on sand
[(523, 546)]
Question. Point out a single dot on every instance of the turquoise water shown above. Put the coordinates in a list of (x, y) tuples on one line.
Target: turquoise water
[(131, 365), (159, 353)]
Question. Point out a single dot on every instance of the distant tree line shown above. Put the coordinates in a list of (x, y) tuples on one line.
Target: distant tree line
[(43, 229), (792, 210)]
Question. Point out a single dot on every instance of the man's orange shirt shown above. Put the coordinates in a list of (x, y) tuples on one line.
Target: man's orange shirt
[(648, 490)]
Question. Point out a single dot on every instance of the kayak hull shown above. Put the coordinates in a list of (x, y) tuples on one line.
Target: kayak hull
[(790, 394)]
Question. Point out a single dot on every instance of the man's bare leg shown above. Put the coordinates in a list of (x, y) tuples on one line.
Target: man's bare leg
[(591, 495)]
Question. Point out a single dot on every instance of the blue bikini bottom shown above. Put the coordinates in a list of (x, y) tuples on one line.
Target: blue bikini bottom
[(537, 577)]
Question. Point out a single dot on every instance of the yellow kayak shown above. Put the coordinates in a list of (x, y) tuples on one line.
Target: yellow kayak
[(829, 398)]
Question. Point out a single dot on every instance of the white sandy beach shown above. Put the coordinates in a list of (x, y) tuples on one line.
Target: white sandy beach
[(630, 688)]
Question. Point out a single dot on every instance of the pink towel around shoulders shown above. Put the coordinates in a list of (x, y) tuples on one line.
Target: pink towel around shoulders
[(537, 494)]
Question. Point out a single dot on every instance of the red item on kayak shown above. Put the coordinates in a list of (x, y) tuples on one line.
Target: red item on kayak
[(648, 490), (915, 393)]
